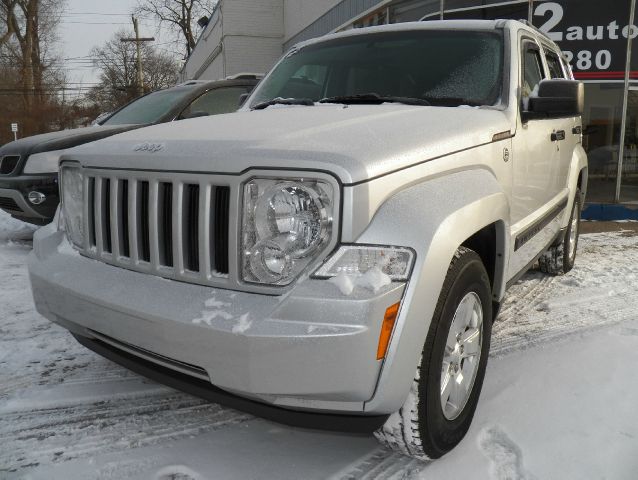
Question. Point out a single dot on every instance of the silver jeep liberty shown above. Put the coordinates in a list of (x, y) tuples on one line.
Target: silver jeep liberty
[(333, 255)]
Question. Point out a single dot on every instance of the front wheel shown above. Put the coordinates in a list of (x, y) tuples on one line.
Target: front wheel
[(440, 406)]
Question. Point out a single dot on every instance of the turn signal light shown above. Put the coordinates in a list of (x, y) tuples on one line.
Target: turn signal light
[(386, 330)]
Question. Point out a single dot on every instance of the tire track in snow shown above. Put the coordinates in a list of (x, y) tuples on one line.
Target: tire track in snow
[(541, 308), (44, 435), (383, 464)]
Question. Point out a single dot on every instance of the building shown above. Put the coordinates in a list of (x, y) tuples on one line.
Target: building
[(250, 35)]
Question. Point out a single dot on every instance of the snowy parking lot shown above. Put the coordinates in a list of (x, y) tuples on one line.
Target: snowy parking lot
[(559, 400)]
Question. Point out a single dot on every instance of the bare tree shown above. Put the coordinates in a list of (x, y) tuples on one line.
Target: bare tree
[(180, 15), (118, 80), (31, 76), (32, 25)]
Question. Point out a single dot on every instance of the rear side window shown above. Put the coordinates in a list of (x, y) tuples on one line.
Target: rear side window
[(554, 64)]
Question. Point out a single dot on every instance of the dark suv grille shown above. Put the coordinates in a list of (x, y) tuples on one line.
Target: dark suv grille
[(8, 164), (174, 226)]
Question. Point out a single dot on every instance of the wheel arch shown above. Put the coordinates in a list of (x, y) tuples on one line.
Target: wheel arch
[(465, 207), (489, 244), (578, 179)]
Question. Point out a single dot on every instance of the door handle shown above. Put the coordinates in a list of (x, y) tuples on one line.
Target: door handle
[(558, 136)]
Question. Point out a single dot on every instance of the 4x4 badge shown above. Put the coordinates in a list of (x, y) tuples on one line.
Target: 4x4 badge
[(506, 154), (148, 147)]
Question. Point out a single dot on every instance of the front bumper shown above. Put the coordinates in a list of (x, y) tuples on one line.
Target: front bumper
[(310, 349), (14, 191)]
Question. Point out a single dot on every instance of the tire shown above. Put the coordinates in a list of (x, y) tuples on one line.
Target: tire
[(424, 428), (561, 258)]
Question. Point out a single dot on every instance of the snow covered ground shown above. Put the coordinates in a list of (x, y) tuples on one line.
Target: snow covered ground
[(559, 400)]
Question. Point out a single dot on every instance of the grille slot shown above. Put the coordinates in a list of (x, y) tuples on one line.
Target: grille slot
[(171, 225), (191, 227), (165, 223), (8, 164), (220, 225), (91, 210), (9, 204), (123, 231), (144, 244), (106, 215)]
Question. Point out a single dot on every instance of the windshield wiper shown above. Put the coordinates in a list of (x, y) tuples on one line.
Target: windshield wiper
[(284, 101), (373, 99), (453, 102)]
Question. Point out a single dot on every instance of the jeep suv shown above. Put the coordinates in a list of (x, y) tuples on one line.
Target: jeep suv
[(334, 254)]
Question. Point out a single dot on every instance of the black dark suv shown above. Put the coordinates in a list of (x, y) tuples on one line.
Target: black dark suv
[(29, 166)]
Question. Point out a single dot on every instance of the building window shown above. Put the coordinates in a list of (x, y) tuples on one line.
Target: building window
[(629, 178), (601, 123)]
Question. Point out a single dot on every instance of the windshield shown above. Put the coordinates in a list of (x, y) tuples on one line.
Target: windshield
[(150, 108), (448, 68)]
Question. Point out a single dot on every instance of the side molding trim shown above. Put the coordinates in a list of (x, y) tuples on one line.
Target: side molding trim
[(527, 234)]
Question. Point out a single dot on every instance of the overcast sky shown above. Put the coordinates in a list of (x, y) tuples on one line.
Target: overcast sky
[(89, 23)]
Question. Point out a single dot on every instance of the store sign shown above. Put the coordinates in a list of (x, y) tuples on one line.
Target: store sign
[(593, 36)]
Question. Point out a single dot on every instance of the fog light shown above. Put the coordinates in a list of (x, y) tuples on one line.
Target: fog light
[(37, 198)]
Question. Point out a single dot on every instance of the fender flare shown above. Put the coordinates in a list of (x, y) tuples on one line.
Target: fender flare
[(578, 164), (433, 218)]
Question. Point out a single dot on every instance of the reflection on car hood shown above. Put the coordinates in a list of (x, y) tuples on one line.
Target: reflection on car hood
[(354, 142)]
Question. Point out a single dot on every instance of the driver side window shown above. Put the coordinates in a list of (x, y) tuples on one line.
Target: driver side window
[(532, 72)]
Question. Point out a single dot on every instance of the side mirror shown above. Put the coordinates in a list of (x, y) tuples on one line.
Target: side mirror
[(242, 99), (557, 98)]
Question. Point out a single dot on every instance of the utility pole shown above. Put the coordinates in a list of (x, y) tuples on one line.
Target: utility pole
[(138, 42)]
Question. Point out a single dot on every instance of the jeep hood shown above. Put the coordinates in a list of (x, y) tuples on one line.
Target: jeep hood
[(356, 143)]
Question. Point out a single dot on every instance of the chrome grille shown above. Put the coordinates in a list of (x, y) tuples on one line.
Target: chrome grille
[(172, 225)]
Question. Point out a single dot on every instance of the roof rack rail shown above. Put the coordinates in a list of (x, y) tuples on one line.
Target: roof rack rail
[(527, 23), (192, 82), (245, 76)]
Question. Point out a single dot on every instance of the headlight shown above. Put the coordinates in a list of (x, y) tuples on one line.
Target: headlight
[(45, 162), (72, 187), (286, 224), (356, 260)]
